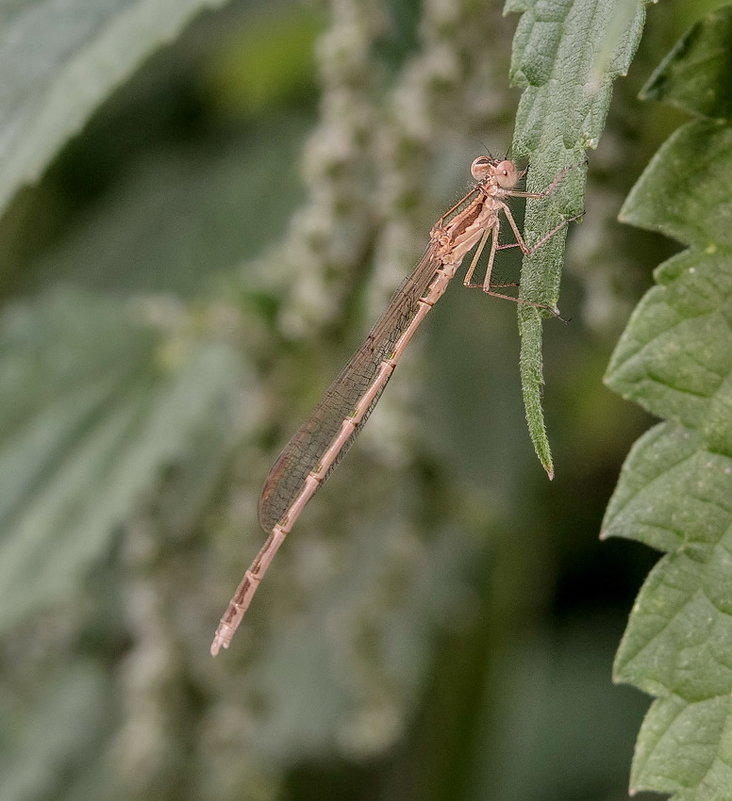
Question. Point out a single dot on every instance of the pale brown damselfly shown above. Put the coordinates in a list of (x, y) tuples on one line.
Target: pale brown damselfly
[(321, 442)]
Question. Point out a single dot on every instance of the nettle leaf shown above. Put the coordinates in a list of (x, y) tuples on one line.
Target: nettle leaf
[(674, 494), (175, 220), (59, 61), (566, 55), (95, 405), (695, 74), (675, 490)]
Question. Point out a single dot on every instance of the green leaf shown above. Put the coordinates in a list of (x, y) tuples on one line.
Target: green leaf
[(176, 219), (95, 406), (650, 504), (695, 75), (698, 723), (566, 56), (59, 61), (675, 359), (682, 195)]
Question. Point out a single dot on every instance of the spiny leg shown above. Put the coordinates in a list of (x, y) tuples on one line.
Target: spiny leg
[(488, 287), (467, 281), (525, 249), (546, 192)]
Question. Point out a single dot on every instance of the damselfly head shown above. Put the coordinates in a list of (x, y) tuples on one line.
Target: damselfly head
[(505, 173)]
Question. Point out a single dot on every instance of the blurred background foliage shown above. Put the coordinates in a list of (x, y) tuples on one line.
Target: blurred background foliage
[(177, 290)]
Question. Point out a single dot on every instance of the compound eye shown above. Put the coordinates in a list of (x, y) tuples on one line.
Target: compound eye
[(507, 174), (481, 168)]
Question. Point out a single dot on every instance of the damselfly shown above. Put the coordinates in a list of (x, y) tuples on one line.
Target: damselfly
[(321, 442)]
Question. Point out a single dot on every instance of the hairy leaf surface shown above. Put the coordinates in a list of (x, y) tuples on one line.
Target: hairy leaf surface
[(675, 491)]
